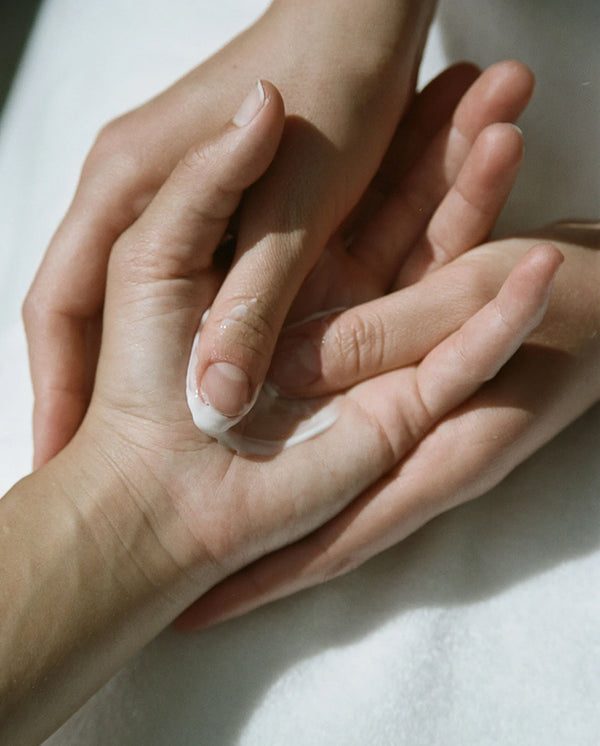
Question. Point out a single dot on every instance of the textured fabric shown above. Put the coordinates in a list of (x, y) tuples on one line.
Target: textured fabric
[(484, 627)]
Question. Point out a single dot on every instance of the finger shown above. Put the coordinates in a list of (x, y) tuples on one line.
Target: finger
[(468, 212), (408, 402), (474, 354), (285, 222), (431, 110), (59, 338), (62, 315), (338, 282), (179, 231), (129, 161), (395, 506), (499, 94), (333, 353)]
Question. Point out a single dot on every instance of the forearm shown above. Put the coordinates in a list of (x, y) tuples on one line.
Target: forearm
[(356, 27), (343, 52), (85, 584)]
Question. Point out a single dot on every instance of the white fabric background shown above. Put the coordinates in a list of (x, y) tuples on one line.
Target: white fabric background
[(484, 627)]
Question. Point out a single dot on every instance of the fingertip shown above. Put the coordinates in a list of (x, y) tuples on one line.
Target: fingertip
[(273, 98), (259, 121), (516, 79), (545, 259), (227, 388), (500, 94), (514, 70), (532, 279), (501, 146), (262, 107), (523, 72)]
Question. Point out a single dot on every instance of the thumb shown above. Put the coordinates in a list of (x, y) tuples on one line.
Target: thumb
[(179, 231), (161, 272)]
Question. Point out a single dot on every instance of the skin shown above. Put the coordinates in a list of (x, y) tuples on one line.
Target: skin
[(141, 513), (549, 383), (431, 285), (346, 81)]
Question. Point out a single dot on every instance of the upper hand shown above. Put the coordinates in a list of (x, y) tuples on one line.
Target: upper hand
[(549, 382), (343, 100)]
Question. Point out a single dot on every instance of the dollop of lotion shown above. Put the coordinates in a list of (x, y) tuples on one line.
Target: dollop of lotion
[(270, 423)]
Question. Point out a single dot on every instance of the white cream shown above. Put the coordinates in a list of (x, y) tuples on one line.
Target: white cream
[(276, 422), (237, 314), (205, 416), (269, 424)]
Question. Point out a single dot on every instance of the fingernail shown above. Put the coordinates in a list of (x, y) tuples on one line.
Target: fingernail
[(296, 362), (226, 388), (250, 107)]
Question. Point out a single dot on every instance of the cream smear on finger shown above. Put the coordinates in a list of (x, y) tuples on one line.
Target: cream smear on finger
[(270, 423)]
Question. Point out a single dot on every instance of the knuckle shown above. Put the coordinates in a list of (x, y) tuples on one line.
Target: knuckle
[(333, 562), (359, 343), (199, 158), (246, 324), (134, 258), (462, 350), (418, 418), (109, 142), (32, 308), (336, 567), (141, 258), (504, 316), (441, 247), (116, 169)]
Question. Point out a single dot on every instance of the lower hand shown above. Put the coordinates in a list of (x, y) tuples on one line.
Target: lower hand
[(549, 382)]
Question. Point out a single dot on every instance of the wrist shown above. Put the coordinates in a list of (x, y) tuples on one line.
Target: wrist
[(87, 581), (127, 505)]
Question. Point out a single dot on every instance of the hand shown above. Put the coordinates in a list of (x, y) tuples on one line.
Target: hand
[(141, 512), (440, 188), (346, 70), (549, 382), (228, 509)]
